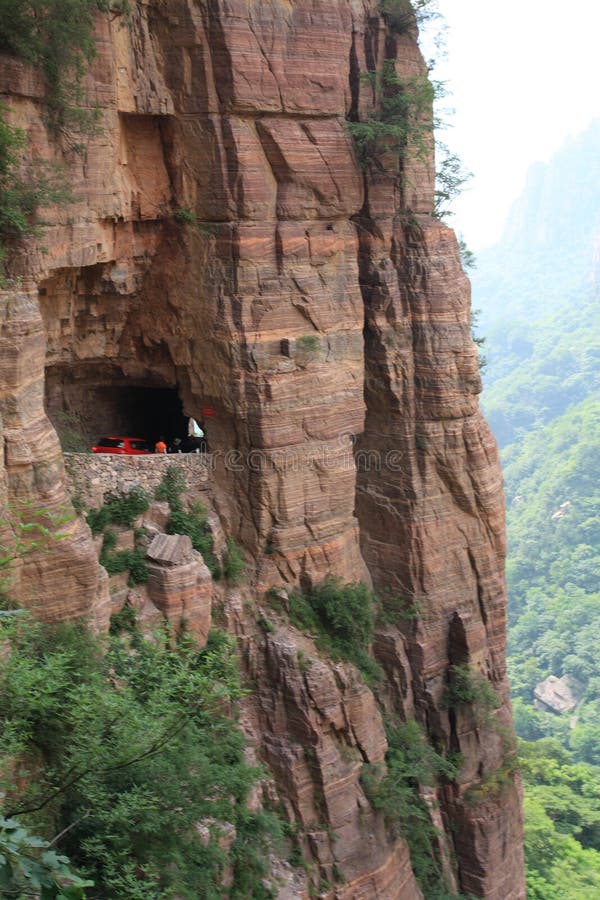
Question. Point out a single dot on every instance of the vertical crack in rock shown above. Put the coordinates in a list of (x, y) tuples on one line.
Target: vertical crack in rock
[(431, 513)]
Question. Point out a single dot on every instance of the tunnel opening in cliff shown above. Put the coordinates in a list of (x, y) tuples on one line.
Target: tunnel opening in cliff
[(85, 404)]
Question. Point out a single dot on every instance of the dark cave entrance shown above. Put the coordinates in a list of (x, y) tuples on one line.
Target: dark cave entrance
[(144, 412), (85, 406)]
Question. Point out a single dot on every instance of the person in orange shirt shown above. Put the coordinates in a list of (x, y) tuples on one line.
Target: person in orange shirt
[(160, 446)]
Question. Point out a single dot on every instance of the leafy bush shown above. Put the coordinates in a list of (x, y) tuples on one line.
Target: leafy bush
[(493, 783), (392, 609), (450, 179), (58, 37), (30, 867), (185, 217), (411, 762), (123, 509), (109, 541), (125, 753), (468, 688), (398, 14), (171, 487), (132, 561), (192, 522), (119, 509), (402, 122), (98, 519), (347, 610), (195, 526), (403, 15), (342, 618), (234, 563), (477, 339), (24, 189), (124, 621)]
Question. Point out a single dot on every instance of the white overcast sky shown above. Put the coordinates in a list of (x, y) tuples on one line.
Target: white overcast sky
[(524, 75)]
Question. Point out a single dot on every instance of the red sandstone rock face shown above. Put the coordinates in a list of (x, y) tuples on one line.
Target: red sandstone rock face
[(57, 573), (430, 506), (316, 724), (179, 584), (232, 110)]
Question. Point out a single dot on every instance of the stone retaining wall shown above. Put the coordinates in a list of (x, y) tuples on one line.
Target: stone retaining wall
[(91, 476)]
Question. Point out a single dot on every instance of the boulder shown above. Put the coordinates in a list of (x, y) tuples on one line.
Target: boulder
[(558, 694)]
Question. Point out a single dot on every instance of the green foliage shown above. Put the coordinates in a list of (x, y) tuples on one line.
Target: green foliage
[(109, 541), (411, 763), (57, 36), (342, 619), (132, 561), (402, 122), (265, 625), (98, 519), (542, 324), (304, 662), (467, 257), (195, 524), (234, 563), (569, 791), (450, 179), (119, 509), (34, 530), (24, 188), (493, 783), (403, 15), (171, 487), (537, 370), (552, 481), (392, 609), (125, 508), (468, 688), (69, 427), (123, 749), (308, 343), (185, 217), (192, 522), (562, 822), (30, 867), (124, 621), (477, 339)]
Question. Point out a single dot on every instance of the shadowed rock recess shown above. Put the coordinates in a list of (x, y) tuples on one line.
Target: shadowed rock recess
[(224, 245)]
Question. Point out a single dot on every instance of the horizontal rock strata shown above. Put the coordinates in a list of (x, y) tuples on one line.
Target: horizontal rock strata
[(225, 246)]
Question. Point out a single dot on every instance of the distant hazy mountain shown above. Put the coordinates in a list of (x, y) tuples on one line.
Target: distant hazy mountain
[(551, 242)]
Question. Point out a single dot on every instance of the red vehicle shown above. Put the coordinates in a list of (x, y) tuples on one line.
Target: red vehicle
[(127, 445)]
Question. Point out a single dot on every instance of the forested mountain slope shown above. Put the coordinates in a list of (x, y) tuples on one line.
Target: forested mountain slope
[(553, 495), (539, 300), (537, 372)]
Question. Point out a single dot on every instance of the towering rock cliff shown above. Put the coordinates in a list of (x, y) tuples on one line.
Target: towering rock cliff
[(226, 246)]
